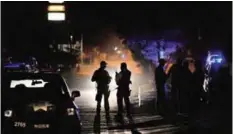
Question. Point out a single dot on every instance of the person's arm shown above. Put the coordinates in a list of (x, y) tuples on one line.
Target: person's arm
[(130, 78), (170, 71), (109, 77), (117, 78), (93, 79)]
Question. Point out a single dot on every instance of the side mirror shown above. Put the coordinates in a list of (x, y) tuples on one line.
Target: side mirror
[(75, 94)]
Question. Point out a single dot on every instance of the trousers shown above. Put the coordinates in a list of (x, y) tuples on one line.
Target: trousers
[(120, 97), (99, 95)]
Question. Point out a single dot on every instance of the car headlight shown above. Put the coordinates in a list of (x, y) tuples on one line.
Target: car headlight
[(70, 111), (8, 113)]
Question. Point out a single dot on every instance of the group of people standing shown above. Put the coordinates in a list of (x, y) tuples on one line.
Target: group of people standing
[(103, 79), (187, 78)]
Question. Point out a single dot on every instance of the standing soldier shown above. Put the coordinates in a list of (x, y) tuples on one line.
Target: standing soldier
[(123, 81), (176, 73), (160, 78), (102, 78)]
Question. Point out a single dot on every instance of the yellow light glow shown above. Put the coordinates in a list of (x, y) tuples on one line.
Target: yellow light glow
[(168, 68), (115, 48), (56, 8)]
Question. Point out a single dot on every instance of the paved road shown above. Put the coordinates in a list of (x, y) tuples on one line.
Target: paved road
[(143, 102), (214, 119)]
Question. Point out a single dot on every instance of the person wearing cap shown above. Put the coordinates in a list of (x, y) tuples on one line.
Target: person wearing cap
[(160, 78), (102, 78), (123, 91)]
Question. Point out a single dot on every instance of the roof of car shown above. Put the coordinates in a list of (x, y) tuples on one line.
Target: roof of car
[(41, 74)]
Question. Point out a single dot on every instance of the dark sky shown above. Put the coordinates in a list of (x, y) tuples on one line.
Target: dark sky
[(26, 22)]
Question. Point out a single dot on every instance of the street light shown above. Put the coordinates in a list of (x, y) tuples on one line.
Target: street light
[(71, 40), (115, 48), (71, 37)]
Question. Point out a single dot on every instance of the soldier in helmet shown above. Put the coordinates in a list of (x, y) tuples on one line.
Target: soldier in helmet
[(102, 78), (160, 78), (123, 82)]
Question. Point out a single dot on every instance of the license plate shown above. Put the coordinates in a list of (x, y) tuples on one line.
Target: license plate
[(41, 126), (20, 124)]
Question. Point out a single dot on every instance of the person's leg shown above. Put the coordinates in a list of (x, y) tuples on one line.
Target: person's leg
[(120, 104), (98, 99), (106, 103), (127, 104), (163, 103), (174, 101), (158, 102)]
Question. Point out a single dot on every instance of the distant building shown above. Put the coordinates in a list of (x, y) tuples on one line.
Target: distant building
[(74, 49)]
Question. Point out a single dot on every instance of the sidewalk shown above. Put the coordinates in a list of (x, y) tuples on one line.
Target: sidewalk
[(213, 119)]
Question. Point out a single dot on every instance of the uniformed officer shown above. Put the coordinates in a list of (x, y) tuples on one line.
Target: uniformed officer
[(160, 78), (102, 78), (123, 81)]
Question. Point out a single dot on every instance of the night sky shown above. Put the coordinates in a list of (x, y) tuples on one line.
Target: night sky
[(25, 23)]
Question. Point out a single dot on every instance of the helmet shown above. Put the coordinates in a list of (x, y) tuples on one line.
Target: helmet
[(123, 65), (162, 61), (103, 63)]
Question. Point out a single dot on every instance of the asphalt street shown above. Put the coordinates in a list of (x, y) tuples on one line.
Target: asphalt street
[(213, 119), (142, 98)]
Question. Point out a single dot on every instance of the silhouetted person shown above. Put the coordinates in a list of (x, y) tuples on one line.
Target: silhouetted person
[(160, 78), (102, 78), (194, 79), (176, 73), (123, 92)]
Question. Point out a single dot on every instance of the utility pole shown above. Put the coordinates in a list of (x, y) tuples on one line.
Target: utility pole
[(71, 45), (199, 34), (81, 49)]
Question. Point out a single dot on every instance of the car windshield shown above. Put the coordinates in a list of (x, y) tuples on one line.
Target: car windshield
[(23, 88)]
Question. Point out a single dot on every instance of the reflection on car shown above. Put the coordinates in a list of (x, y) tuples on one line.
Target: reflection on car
[(35, 102)]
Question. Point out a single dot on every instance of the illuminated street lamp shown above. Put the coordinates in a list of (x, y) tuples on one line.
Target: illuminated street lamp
[(115, 48), (71, 37), (71, 40)]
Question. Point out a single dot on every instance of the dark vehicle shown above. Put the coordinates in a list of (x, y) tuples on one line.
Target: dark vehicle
[(20, 67), (38, 102), (214, 62), (48, 68)]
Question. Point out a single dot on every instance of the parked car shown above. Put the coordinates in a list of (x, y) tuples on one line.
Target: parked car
[(38, 102)]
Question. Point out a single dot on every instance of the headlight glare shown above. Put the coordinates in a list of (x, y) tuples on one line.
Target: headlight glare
[(8, 113), (70, 111)]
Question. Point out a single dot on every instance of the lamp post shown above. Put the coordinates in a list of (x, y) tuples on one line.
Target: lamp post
[(81, 48), (71, 40)]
